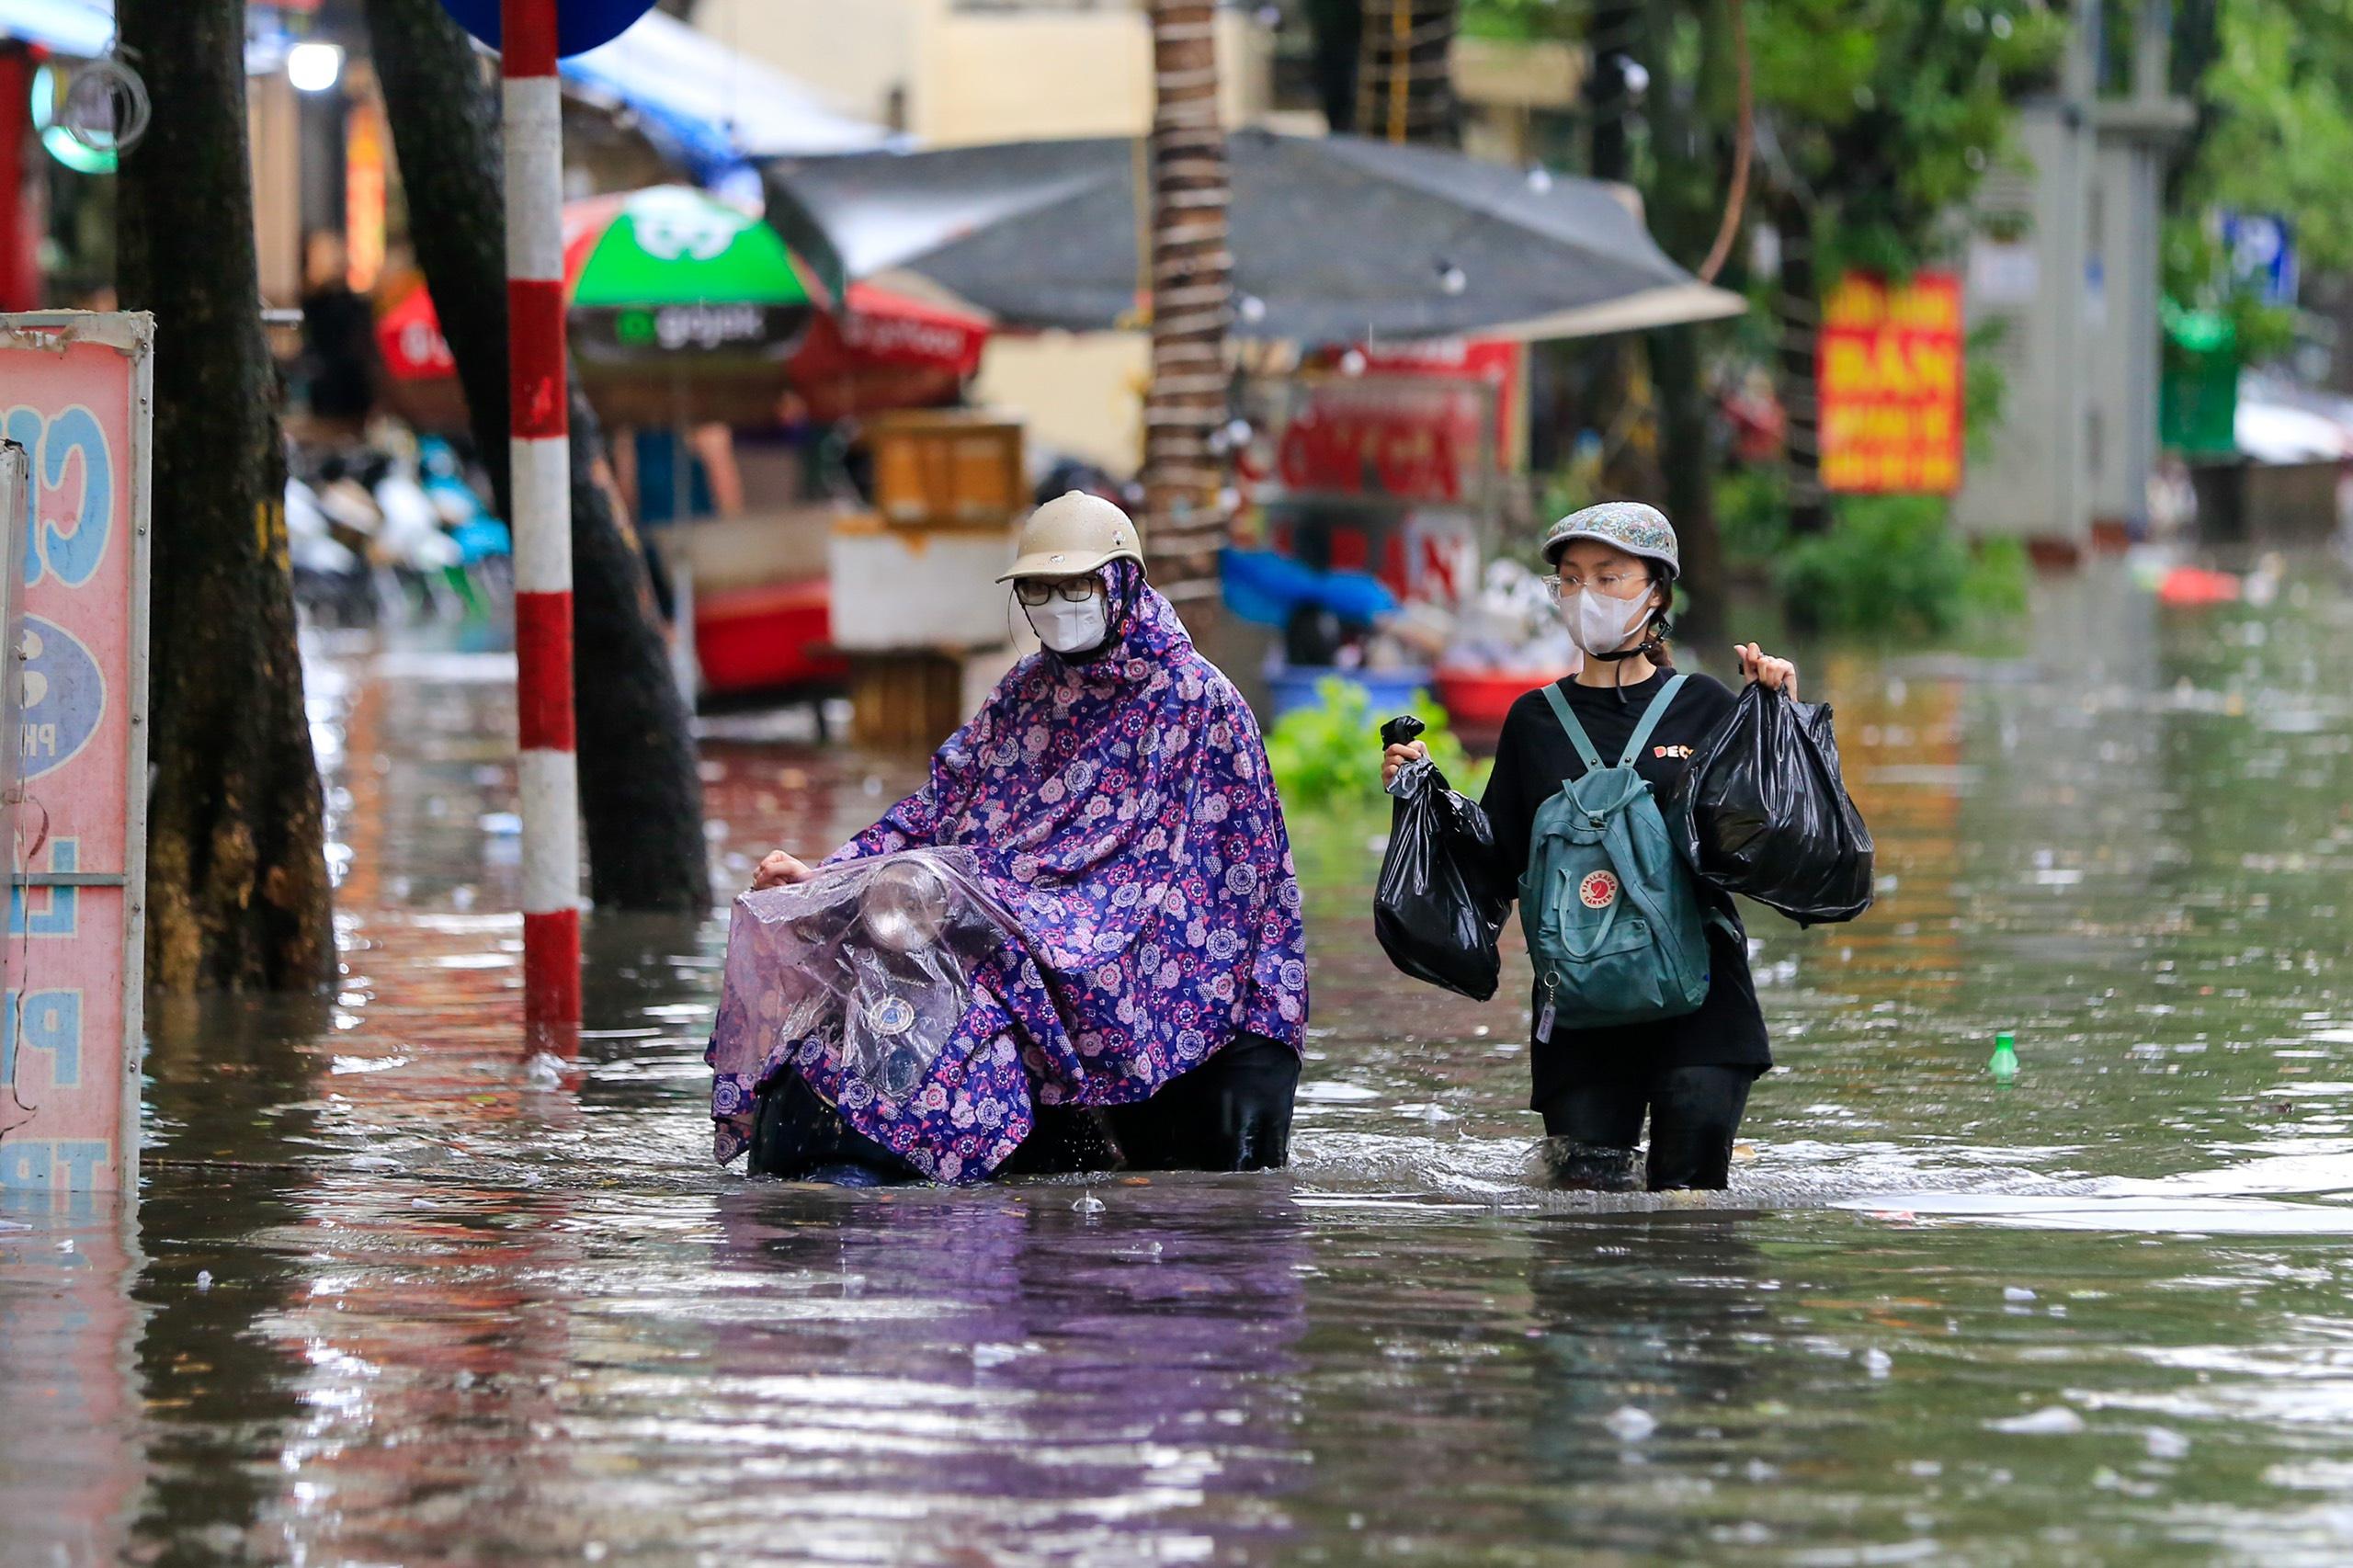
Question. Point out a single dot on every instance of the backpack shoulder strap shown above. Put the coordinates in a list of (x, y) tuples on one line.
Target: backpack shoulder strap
[(1577, 737), (1651, 717)]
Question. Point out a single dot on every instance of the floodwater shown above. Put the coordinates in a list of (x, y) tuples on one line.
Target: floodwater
[(397, 1294)]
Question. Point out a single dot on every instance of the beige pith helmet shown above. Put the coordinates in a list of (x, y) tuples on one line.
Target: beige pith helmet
[(1073, 534)]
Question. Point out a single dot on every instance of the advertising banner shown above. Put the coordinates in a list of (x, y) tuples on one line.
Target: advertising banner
[(75, 394), (1890, 375)]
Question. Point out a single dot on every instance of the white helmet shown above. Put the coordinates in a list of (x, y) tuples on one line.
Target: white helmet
[(1074, 534)]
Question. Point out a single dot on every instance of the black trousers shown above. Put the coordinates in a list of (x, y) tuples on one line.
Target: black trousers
[(797, 1133), (1232, 1113), (1694, 1113)]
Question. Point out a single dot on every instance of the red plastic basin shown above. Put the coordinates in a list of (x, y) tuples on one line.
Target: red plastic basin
[(768, 636)]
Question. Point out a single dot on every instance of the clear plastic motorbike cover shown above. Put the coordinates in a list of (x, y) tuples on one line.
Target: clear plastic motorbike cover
[(873, 959)]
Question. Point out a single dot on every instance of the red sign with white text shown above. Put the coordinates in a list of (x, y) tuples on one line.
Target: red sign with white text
[(1890, 375), (1408, 439), (1492, 360)]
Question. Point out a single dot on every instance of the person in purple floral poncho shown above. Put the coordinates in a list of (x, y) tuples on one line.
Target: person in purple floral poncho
[(1114, 792)]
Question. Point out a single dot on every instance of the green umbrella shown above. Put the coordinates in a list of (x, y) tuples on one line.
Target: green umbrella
[(673, 280)]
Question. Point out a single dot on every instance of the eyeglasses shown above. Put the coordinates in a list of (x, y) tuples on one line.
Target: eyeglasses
[(1071, 590), (1610, 582)]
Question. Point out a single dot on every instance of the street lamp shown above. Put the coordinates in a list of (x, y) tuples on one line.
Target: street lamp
[(314, 67)]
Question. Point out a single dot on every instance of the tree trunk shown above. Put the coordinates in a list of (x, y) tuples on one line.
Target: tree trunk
[(1406, 73), (641, 795), (1336, 27), (1610, 38), (1689, 478), (1192, 292), (1800, 313), (1684, 205), (1622, 404), (237, 887)]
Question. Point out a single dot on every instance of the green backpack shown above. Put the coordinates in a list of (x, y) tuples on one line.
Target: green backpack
[(1613, 921)]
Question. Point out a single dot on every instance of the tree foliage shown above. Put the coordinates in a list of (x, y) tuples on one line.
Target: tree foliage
[(1885, 115), (1882, 117), (2275, 126)]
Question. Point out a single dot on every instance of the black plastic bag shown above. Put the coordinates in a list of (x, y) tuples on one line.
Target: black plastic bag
[(1764, 813), (1437, 907)]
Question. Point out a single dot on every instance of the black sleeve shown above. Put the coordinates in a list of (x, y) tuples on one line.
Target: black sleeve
[(1510, 810)]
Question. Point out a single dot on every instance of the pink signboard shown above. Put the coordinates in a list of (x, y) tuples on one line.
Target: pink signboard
[(75, 394)]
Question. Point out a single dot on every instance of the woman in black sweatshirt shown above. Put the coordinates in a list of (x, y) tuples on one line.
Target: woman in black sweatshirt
[(1615, 566)]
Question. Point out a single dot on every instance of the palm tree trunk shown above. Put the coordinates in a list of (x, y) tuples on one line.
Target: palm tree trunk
[(1404, 76), (1192, 287)]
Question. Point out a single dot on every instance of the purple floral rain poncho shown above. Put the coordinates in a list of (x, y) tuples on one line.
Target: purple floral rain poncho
[(1122, 811)]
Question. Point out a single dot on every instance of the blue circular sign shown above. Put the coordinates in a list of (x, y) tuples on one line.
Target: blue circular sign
[(580, 25), (64, 697)]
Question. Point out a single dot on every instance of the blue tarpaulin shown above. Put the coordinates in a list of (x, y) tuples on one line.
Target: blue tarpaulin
[(1268, 589)]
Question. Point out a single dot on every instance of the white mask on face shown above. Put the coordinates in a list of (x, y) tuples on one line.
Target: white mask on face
[(1068, 628), (1599, 624)]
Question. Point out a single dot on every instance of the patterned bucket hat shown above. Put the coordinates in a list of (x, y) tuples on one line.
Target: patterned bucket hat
[(1623, 524)]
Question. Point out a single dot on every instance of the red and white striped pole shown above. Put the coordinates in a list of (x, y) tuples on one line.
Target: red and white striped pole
[(540, 448)]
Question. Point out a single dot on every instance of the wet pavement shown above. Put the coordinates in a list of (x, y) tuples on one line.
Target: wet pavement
[(397, 1293)]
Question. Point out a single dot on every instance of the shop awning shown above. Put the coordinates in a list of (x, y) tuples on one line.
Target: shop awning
[(709, 107), (80, 28), (84, 29), (1336, 239)]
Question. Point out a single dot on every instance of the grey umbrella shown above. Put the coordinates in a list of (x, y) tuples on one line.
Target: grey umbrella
[(1336, 239)]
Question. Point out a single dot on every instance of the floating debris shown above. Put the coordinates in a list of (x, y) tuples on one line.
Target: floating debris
[(2051, 1421), (1628, 1424)]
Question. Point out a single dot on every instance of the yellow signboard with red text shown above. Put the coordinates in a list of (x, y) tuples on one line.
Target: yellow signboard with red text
[(1890, 385)]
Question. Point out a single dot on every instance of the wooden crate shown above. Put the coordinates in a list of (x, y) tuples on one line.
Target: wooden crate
[(906, 701), (948, 467)]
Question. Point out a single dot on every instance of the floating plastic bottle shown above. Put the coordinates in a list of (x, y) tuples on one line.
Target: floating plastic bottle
[(2004, 1062)]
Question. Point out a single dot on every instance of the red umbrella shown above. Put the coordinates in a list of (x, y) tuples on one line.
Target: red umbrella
[(885, 351)]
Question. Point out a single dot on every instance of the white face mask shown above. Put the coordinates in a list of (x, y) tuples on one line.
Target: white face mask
[(1599, 624), (1068, 628)]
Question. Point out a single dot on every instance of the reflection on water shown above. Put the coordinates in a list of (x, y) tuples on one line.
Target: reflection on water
[(399, 1294)]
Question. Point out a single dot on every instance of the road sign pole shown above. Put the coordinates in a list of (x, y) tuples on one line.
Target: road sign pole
[(539, 445)]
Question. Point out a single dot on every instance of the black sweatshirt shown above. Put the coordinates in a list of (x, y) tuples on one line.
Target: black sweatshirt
[(1533, 758)]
